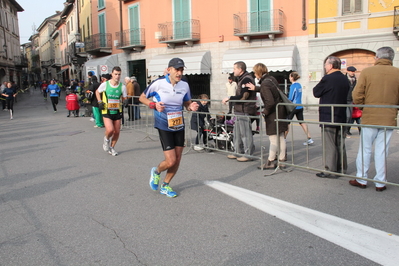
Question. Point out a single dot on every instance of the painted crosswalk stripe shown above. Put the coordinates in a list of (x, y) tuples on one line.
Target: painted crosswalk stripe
[(373, 244)]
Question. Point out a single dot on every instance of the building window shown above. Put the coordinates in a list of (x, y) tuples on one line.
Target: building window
[(260, 15), (182, 15), (61, 36), (351, 7), (101, 4)]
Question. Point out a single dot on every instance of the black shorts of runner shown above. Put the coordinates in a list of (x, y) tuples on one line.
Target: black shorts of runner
[(171, 139), (113, 117), (298, 113)]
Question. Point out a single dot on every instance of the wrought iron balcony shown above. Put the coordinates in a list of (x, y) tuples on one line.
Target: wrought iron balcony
[(131, 39), (99, 43), (184, 31), (20, 61), (56, 63), (396, 21), (46, 64), (260, 23)]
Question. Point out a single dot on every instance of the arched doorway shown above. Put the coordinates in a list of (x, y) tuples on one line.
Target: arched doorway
[(358, 58)]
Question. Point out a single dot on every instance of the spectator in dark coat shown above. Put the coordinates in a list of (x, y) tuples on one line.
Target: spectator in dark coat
[(332, 89), (271, 97)]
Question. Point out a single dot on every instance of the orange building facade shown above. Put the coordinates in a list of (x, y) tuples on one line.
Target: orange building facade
[(142, 36)]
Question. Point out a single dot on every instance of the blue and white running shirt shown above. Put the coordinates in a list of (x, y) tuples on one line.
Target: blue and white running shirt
[(173, 97), (295, 95)]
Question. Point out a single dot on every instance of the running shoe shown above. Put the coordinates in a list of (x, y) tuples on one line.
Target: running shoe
[(92, 119), (106, 144), (168, 191), (112, 151), (308, 142), (154, 179)]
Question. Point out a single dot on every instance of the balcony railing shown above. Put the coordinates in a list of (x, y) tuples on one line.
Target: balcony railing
[(179, 31), (48, 63), (20, 61), (259, 23), (131, 39), (100, 42), (396, 21), (56, 63)]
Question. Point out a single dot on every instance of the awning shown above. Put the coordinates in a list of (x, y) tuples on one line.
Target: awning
[(196, 63), (62, 71), (101, 65), (276, 58)]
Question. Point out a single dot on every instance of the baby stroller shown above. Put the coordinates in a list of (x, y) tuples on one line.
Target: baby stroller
[(220, 132)]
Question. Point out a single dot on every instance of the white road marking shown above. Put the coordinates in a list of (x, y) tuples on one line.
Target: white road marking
[(373, 244)]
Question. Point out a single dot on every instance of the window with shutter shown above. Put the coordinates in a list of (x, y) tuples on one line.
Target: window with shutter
[(358, 6), (182, 23), (346, 6), (134, 23), (260, 15), (351, 7), (101, 4)]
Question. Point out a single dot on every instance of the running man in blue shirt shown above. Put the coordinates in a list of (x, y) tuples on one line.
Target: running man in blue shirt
[(169, 94), (54, 91), (295, 96)]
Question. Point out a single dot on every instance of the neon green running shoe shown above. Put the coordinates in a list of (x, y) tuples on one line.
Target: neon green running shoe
[(168, 191), (154, 179)]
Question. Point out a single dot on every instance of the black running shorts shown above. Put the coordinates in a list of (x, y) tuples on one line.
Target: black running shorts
[(171, 139), (113, 117)]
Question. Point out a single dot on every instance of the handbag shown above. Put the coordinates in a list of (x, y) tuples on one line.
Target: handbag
[(284, 99)]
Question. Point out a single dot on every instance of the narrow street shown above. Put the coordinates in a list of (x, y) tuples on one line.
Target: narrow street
[(64, 201)]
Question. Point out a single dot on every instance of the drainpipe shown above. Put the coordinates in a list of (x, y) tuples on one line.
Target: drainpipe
[(120, 23), (304, 15), (316, 33)]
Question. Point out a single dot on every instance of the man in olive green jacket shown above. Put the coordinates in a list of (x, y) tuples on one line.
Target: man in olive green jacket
[(377, 85)]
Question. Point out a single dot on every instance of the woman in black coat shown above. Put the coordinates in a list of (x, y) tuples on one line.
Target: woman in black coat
[(271, 97)]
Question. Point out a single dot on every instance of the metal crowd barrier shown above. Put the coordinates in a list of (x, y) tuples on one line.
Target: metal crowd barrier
[(146, 125), (307, 165)]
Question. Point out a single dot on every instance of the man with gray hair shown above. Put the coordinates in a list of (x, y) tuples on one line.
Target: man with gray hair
[(377, 85), (332, 89)]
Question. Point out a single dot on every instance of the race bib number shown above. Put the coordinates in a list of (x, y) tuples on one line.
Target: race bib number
[(113, 104), (175, 120), (52, 91)]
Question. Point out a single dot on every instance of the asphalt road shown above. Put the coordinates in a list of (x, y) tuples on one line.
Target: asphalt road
[(64, 201)]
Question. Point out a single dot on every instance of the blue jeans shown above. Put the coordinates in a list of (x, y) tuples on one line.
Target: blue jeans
[(370, 136), (137, 115)]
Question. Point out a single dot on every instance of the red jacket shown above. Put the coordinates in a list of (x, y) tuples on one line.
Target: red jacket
[(72, 102)]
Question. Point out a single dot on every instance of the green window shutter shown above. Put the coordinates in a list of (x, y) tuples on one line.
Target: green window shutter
[(260, 15), (101, 30), (182, 23), (101, 4), (134, 25)]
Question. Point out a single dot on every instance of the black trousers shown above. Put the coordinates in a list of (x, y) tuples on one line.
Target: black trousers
[(54, 102)]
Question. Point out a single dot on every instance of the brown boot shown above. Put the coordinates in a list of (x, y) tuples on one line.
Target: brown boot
[(268, 165)]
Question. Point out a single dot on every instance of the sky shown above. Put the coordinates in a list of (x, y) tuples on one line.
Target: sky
[(34, 14)]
